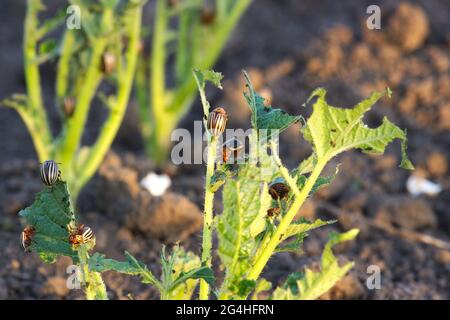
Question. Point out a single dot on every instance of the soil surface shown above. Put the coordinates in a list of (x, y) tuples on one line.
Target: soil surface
[(289, 47)]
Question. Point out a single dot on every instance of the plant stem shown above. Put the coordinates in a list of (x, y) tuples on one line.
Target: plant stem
[(117, 112), (163, 126), (36, 120), (208, 216), (75, 124), (62, 76), (95, 288), (267, 252)]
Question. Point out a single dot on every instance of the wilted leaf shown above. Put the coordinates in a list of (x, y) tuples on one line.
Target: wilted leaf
[(130, 266)]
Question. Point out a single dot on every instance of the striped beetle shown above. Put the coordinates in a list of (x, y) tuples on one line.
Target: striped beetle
[(217, 121), (50, 172), (26, 237), (80, 235)]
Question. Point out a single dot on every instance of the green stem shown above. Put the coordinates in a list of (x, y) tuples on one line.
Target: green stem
[(117, 112), (184, 93), (162, 124), (267, 252), (62, 76), (208, 216), (37, 121), (95, 288), (76, 124)]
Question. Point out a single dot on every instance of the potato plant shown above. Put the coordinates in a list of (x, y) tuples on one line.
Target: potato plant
[(248, 235), (192, 33), (104, 50)]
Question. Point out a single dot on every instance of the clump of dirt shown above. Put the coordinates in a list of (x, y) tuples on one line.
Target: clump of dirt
[(117, 193), (384, 59), (408, 27), (406, 212)]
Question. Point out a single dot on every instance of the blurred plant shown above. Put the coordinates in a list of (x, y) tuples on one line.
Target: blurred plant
[(261, 199), (196, 41), (104, 48)]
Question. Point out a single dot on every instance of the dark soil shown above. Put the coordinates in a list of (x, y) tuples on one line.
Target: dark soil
[(290, 47)]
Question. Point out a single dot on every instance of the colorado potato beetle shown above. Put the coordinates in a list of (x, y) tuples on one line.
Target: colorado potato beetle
[(108, 63), (26, 237), (278, 189), (217, 121), (81, 235), (50, 172)]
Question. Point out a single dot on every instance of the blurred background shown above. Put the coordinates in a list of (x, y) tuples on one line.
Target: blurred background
[(289, 47)]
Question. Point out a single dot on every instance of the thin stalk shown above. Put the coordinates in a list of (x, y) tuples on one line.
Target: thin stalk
[(142, 97), (75, 125), (162, 127), (40, 133), (267, 252), (62, 76), (95, 288), (184, 93), (117, 112), (208, 216)]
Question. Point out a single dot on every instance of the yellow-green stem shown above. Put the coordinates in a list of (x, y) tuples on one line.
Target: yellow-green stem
[(117, 112), (36, 120), (208, 216), (75, 125), (267, 252), (95, 288)]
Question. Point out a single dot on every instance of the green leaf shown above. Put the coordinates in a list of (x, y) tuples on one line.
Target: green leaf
[(209, 75), (184, 262), (303, 227), (291, 281), (50, 214), (241, 207), (204, 273), (130, 266), (245, 203), (266, 117), (201, 77), (333, 130), (321, 181), (311, 284), (245, 287)]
